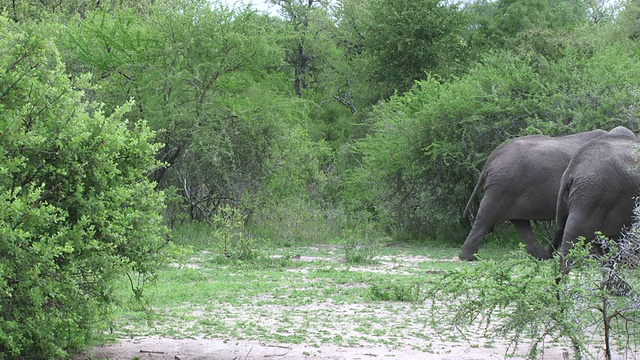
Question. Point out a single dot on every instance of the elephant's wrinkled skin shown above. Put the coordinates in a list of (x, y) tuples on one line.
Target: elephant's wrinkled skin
[(521, 181), (598, 188)]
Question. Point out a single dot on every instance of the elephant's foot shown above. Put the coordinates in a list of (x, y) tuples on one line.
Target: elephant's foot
[(467, 256)]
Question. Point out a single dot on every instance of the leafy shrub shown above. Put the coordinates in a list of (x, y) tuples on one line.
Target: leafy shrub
[(574, 299), (360, 242), (78, 210), (231, 239), (356, 253)]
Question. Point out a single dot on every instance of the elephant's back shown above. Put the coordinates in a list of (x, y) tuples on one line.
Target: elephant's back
[(528, 171), (553, 147), (531, 155), (606, 165), (605, 154)]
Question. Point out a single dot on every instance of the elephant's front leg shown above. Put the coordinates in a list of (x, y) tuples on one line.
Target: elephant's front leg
[(526, 235)]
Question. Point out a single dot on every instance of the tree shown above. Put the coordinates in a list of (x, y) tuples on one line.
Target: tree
[(307, 42), (192, 71), (356, 90), (498, 23), (27, 10), (409, 39), (628, 20), (179, 70), (78, 208)]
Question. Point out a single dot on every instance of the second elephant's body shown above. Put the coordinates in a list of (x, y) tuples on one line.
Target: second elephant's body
[(598, 189)]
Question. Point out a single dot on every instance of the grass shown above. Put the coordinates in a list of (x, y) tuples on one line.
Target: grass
[(313, 294)]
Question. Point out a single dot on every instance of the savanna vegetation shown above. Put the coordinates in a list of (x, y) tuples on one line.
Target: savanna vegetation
[(127, 123)]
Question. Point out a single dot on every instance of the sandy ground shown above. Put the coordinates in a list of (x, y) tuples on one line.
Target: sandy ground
[(212, 349)]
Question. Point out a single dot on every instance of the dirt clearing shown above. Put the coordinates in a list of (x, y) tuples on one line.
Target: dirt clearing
[(200, 349), (314, 307)]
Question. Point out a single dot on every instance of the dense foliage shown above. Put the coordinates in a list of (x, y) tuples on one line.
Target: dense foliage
[(330, 119), (78, 210), (409, 39)]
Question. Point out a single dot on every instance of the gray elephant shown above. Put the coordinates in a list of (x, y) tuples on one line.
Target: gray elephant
[(598, 189), (521, 180)]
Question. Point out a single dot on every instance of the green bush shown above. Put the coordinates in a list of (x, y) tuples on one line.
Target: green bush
[(360, 240), (356, 253), (77, 209), (574, 300)]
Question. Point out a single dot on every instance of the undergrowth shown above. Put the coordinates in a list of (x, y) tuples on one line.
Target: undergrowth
[(522, 299)]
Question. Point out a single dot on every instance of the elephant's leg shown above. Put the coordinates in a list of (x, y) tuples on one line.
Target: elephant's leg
[(526, 235), (579, 223), (562, 214), (472, 243), (490, 212)]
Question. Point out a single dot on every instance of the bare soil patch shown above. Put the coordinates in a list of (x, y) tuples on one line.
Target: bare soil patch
[(215, 349)]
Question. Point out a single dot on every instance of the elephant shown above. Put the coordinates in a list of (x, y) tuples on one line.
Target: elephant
[(598, 189), (521, 180)]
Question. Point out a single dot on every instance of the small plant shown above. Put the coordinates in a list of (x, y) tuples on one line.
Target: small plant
[(358, 248), (396, 292), (616, 300), (357, 253), (231, 239)]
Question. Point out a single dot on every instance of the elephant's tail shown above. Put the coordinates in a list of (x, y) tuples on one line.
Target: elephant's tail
[(562, 212), (465, 213)]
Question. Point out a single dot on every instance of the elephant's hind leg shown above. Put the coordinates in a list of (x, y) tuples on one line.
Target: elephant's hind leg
[(491, 211), (526, 235), (472, 243)]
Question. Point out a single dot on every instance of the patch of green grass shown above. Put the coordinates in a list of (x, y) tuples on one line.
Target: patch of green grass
[(293, 294), (396, 292)]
